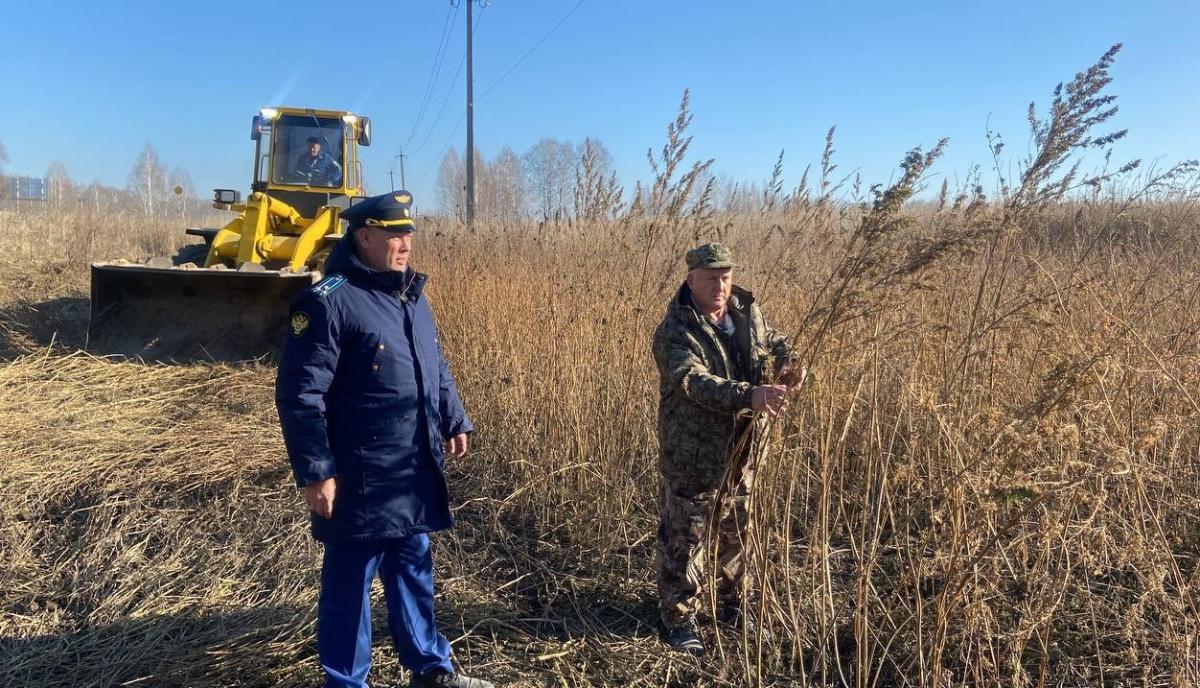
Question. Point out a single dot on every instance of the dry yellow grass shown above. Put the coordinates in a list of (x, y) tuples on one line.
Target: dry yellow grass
[(990, 481), (999, 498)]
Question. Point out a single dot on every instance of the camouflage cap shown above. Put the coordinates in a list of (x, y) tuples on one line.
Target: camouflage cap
[(710, 257)]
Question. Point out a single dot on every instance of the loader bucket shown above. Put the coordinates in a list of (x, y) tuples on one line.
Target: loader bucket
[(178, 314)]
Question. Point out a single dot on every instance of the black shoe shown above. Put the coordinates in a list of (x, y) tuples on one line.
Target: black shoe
[(683, 638), (443, 679)]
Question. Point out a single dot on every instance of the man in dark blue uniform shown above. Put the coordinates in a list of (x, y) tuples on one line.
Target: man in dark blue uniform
[(367, 402), (316, 167)]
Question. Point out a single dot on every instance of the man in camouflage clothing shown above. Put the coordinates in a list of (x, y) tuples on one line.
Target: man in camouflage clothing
[(715, 355)]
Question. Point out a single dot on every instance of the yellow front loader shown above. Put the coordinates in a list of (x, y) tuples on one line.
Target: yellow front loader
[(226, 299)]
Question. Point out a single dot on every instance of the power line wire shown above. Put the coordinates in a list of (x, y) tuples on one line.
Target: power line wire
[(445, 146), (434, 71), (449, 92), (528, 53), (439, 62), (442, 110)]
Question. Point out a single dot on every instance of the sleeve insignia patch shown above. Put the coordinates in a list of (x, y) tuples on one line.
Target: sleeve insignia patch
[(299, 323)]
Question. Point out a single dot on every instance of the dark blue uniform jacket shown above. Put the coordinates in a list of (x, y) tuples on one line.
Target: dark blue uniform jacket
[(365, 395)]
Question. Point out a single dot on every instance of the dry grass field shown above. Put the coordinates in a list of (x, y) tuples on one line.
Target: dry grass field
[(991, 480)]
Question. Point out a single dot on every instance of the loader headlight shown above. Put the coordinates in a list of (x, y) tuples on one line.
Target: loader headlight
[(227, 196), (269, 113)]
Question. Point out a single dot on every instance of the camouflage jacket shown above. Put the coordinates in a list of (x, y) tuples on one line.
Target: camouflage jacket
[(701, 410)]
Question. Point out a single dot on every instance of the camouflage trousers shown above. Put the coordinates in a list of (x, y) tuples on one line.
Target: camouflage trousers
[(686, 544)]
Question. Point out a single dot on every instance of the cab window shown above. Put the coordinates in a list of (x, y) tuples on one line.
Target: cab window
[(308, 151)]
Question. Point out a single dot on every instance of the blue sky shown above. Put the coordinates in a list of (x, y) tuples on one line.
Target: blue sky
[(90, 83)]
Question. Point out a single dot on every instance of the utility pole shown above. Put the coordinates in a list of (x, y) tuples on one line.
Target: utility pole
[(392, 170), (470, 125)]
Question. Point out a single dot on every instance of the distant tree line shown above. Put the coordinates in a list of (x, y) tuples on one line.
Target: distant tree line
[(149, 191), (554, 180), (557, 180)]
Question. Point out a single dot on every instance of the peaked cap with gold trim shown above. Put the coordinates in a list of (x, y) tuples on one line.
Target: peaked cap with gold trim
[(391, 211)]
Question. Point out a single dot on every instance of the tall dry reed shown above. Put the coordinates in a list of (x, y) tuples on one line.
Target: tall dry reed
[(990, 478)]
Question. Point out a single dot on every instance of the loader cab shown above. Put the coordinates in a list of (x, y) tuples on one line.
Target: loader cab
[(309, 158)]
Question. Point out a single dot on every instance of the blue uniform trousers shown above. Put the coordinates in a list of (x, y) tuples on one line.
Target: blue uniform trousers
[(344, 612)]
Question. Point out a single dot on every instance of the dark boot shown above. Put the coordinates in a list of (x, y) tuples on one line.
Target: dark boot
[(442, 679), (684, 638)]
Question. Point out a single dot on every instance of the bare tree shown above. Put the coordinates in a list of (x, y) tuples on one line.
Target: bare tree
[(3, 164), (58, 179), (485, 188), (148, 182), (99, 197), (451, 184), (550, 168), (508, 187)]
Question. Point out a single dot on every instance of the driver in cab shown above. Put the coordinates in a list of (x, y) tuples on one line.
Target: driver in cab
[(316, 167)]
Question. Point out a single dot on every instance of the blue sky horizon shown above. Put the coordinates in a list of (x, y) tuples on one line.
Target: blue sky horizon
[(90, 85)]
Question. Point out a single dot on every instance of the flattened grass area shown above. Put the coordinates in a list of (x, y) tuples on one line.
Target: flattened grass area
[(152, 534)]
